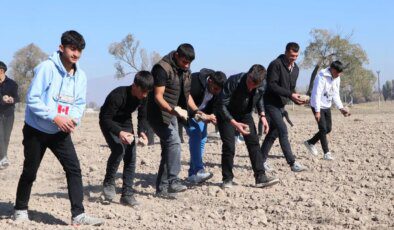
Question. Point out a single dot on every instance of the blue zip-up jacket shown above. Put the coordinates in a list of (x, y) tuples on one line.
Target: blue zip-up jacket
[(50, 84)]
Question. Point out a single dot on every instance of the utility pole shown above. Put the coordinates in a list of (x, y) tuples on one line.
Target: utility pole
[(378, 72)]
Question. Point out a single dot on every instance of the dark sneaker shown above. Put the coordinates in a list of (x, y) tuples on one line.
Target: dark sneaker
[(109, 192), (227, 184), (176, 186), (166, 195), (129, 201), (264, 181), (83, 219)]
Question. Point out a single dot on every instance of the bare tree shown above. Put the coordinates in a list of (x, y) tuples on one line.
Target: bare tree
[(23, 64), (326, 47), (126, 51)]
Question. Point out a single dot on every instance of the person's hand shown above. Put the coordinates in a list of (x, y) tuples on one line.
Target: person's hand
[(317, 116), (75, 121), (241, 127), (265, 124), (142, 140), (200, 116), (211, 118), (345, 111), (126, 137), (5, 98), (8, 99), (181, 113), (65, 125), (295, 97), (305, 98)]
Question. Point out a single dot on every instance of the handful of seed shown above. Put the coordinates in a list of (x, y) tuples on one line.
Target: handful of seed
[(130, 138), (199, 117), (305, 98)]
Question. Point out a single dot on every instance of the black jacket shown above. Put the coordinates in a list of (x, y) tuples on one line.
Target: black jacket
[(198, 88), (260, 91), (281, 82), (115, 114), (235, 101), (10, 88)]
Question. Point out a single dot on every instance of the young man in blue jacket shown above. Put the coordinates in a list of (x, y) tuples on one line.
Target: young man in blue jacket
[(55, 103)]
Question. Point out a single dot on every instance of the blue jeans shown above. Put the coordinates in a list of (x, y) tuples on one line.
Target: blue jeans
[(197, 132), (170, 163)]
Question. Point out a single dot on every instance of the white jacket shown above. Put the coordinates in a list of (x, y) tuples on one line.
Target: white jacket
[(325, 90)]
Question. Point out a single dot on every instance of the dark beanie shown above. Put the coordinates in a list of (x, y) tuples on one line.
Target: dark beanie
[(3, 66)]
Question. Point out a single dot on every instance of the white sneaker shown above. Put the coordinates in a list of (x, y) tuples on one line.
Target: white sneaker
[(83, 219), (267, 167), (311, 148), (200, 177), (327, 156), (20, 215), (4, 162), (215, 134), (297, 167), (239, 139)]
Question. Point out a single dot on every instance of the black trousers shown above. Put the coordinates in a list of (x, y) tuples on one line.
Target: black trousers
[(227, 133), (260, 128), (150, 134), (6, 124), (120, 151), (35, 144), (277, 128), (325, 125)]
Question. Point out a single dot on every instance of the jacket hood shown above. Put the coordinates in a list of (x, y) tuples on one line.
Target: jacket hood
[(55, 58), (206, 72), (282, 58), (169, 58), (326, 72)]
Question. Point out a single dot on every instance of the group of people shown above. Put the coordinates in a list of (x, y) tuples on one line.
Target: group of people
[(168, 95)]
